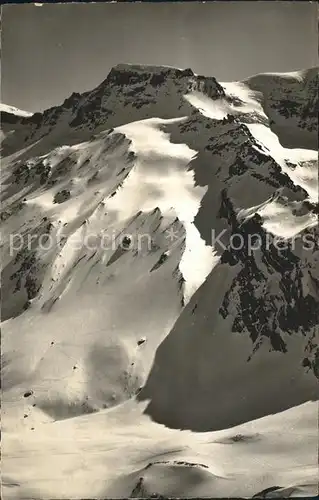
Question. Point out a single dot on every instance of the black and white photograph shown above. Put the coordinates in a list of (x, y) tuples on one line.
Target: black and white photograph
[(159, 250)]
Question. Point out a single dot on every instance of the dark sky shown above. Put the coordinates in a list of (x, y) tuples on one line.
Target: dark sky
[(50, 51)]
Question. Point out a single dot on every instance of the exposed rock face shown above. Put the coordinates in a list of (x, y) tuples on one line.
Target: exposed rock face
[(208, 155), (144, 91)]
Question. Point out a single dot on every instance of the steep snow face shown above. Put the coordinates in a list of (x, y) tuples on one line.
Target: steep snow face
[(163, 165), (133, 287), (261, 325), (81, 201)]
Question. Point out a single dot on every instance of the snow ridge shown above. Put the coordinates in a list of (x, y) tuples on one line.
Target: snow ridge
[(132, 308)]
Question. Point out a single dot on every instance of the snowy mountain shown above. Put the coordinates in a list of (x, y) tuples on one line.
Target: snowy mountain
[(160, 266)]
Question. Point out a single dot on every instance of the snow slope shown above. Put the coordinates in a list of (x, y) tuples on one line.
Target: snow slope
[(119, 303)]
